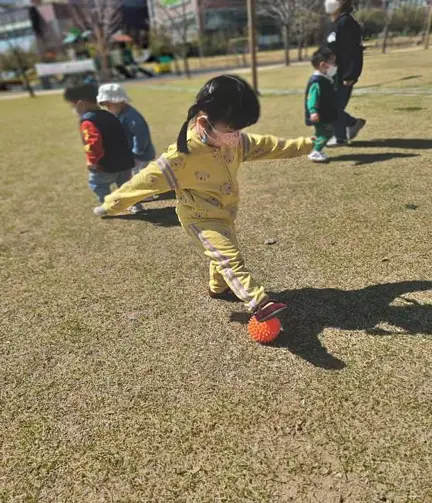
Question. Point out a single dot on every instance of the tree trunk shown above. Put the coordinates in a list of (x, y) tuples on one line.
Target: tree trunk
[(300, 49), (200, 50), (386, 30), (428, 28), (286, 41), (102, 50), (176, 65), (186, 65), (26, 81)]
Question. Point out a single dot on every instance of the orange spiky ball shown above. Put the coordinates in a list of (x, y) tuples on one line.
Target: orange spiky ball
[(264, 332)]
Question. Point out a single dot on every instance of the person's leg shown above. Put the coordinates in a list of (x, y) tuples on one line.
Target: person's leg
[(100, 183), (219, 242), (323, 133), (217, 283), (123, 177), (344, 120)]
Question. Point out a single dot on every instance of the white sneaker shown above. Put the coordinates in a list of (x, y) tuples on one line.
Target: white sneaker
[(100, 211), (316, 156), (136, 208), (353, 131), (334, 142)]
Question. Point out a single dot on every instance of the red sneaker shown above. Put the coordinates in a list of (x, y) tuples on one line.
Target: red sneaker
[(269, 310), (228, 295)]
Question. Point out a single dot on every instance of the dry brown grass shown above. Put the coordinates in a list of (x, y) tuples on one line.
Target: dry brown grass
[(121, 381)]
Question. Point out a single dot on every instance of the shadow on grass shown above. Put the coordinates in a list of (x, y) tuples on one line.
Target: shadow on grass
[(312, 310), (362, 159), (161, 217), (407, 143)]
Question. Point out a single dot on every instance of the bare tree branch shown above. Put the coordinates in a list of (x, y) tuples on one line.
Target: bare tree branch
[(284, 12), (103, 18), (177, 17)]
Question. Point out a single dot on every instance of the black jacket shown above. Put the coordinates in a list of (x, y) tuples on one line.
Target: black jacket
[(345, 40), (327, 104), (115, 154)]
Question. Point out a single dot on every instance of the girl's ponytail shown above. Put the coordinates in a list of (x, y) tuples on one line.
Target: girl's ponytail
[(182, 137)]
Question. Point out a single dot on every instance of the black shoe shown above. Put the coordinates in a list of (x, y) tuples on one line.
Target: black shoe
[(355, 129)]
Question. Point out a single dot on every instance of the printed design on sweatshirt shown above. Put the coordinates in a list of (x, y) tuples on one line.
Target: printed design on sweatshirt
[(202, 176), (178, 163), (200, 214), (229, 156), (331, 37), (150, 179), (86, 134), (226, 189)]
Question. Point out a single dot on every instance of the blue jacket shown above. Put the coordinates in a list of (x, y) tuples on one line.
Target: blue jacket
[(138, 134)]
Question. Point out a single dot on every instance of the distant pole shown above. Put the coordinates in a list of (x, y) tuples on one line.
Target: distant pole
[(428, 26), (251, 7)]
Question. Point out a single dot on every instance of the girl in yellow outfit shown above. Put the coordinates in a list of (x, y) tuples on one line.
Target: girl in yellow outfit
[(202, 168)]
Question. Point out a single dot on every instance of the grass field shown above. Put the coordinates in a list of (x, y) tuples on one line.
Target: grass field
[(120, 381)]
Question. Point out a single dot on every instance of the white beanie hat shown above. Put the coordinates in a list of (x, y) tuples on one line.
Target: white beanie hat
[(113, 93)]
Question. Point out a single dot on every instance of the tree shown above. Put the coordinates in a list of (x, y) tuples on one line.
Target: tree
[(103, 18), (162, 44), (391, 6), (305, 23), (428, 27), (284, 12), (176, 14), (8, 60), (16, 59)]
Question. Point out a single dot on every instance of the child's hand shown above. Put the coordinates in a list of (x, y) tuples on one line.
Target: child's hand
[(315, 117)]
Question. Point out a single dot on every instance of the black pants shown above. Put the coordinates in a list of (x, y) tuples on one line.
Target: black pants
[(343, 95)]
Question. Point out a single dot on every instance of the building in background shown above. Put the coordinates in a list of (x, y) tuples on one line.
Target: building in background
[(203, 17), (42, 25), (39, 27)]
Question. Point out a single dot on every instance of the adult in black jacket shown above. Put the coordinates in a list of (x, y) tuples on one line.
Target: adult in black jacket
[(345, 40)]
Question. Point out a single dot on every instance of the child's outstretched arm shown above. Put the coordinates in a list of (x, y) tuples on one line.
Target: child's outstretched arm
[(156, 178), (258, 148)]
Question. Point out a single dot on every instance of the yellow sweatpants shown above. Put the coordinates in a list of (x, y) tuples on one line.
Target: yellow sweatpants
[(218, 240)]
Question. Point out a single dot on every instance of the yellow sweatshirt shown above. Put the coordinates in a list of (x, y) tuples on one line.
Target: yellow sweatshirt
[(205, 180)]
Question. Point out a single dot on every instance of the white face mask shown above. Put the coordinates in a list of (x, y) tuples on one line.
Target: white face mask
[(331, 6), (332, 71)]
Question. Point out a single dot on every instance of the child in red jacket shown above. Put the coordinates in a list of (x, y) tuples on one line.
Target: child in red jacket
[(109, 159)]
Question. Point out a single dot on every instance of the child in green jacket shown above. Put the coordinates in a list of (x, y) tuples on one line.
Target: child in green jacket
[(320, 101)]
